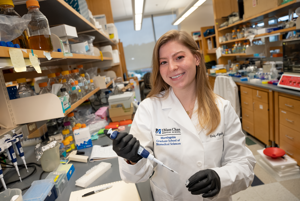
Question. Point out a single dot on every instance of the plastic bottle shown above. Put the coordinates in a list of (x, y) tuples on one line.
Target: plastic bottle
[(70, 117), (82, 71), (44, 88), (52, 80), (74, 94), (23, 89), (38, 27), (66, 75), (78, 89), (64, 99), (7, 8)]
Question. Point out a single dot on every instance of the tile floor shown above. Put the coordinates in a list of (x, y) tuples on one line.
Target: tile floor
[(274, 189)]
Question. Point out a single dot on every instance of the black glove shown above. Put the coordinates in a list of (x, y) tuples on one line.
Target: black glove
[(126, 146), (206, 182)]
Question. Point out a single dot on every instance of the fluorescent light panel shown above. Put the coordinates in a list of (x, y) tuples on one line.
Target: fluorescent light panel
[(189, 11), (138, 13)]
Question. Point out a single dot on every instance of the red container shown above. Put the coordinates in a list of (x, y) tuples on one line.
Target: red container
[(274, 152)]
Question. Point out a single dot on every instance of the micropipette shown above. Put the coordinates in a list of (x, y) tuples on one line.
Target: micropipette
[(141, 151), (19, 147), (11, 154), (1, 177)]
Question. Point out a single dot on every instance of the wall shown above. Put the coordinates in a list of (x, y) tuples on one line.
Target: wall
[(203, 16)]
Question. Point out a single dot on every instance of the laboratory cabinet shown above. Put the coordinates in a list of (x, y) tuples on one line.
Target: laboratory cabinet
[(255, 113)]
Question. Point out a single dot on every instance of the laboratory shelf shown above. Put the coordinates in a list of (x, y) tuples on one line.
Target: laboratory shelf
[(211, 36), (280, 10), (58, 58), (59, 12), (212, 51), (261, 35), (233, 55)]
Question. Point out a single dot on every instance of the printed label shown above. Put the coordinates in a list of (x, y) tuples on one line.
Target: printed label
[(168, 136)]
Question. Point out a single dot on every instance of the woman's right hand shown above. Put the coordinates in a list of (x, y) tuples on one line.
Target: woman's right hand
[(126, 146)]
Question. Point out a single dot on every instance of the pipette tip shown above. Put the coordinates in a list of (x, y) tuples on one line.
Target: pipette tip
[(170, 169), (20, 179)]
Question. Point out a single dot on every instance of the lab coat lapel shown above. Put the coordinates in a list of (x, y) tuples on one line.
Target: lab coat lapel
[(177, 113)]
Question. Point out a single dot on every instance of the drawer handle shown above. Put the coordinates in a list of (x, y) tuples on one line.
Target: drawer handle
[(291, 138), (245, 92), (288, 105), (246, 103), (289, 120), (289, 153)]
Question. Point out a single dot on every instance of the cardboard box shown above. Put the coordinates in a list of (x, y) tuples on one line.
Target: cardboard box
[(120, 113), (256, 7)]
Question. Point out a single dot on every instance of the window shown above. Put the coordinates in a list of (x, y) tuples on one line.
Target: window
[(138, 45)]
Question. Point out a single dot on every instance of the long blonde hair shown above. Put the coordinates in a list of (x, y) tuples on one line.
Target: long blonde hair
[(208, 112)]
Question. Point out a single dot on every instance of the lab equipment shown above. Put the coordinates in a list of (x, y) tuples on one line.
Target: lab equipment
[(7, 9), (49, 155), (44, 88), (13, 194), (38, 27), (274, 152), (83, 84), (75, 74), (60, 181), (97, 191), (141, 151), (66, 86), (82, 71), (78, 158), (41, 190), (8, 145), (92, 85), (1, 177), (66, 75), (64, 99), (74, 96), (79, 92), (68, 169), (92, 174), (23, 89), (19, 147)]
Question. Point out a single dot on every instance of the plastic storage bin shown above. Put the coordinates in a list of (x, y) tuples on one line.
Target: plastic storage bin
[(60, 181), (9, 193), (42, 190)]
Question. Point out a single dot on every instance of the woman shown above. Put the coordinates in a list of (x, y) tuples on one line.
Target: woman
[(187, 127)]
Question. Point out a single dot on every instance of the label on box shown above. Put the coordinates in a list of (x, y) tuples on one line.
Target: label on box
[(83, 138), (254, 3)]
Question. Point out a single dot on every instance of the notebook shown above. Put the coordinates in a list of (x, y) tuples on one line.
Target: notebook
[(101, 153), (120, 191)]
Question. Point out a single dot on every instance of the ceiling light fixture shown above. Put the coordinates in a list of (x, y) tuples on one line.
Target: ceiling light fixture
[(191, 8), (138, 12)]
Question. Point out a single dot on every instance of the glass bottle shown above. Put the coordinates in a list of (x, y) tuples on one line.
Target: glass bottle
[(78, 89), (70, 117), (67, 125), (23, 89), (72, 142), (52, 80), (62, 151), (7, 8), (38, 27), (44, 88), (76, 75), (65, 99), (82, 71), (66, 86), (239, 34), (85, 84), (67, 145), (66, 75), (66, 133), (58, 77), (92, 85), (234, 36), (74, 94)]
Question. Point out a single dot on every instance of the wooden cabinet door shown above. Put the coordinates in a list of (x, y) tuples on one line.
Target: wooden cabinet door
[(261, 121)]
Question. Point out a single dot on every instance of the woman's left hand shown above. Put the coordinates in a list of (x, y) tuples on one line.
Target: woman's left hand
[(206, 182)]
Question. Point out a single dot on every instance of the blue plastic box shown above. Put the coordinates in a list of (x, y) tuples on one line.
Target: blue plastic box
[(41, 190)]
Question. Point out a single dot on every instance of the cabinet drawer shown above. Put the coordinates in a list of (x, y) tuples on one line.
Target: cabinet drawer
[(247, 115), (247, 103), (290, 150), (248, 126), (246, 92), (289, 104), (260, 95), (290, 136), (290, 119)]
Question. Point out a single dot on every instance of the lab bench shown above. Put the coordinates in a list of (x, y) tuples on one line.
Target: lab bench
[(111, 175), (271, 114)]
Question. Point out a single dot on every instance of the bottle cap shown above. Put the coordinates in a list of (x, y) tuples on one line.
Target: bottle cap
[(57, 74), (70, 138), (21, 80), (60, 80), (61, 145), (67, 123), (78, 125), (73, 83), (82, 75), (6, 2), (66, 142), (74, 71), (76, 82), (75, 128), (71, 114), (65, 132), (80, 66), (91, 81), (65, 72), (43, 84), (51, 75), (64, 81), (83, 125), (63, 89), (32, 3)]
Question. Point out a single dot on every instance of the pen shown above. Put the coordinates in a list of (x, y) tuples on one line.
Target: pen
[(97, 191)]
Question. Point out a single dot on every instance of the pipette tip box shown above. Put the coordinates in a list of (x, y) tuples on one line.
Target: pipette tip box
[(68, 169), (41, 190), (60, 181)]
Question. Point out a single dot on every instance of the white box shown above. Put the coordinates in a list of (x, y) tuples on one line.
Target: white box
[(101, 19), (125, 99), (64, 30), (83, 138)]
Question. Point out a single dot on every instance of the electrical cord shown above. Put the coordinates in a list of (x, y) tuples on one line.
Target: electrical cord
[(42, 174)]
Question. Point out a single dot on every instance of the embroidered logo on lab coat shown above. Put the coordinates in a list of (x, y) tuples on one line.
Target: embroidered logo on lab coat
[(216, 135), (168, 136)]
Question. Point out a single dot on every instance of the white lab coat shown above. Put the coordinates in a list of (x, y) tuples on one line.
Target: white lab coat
[(227, 89), (187, 149)]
